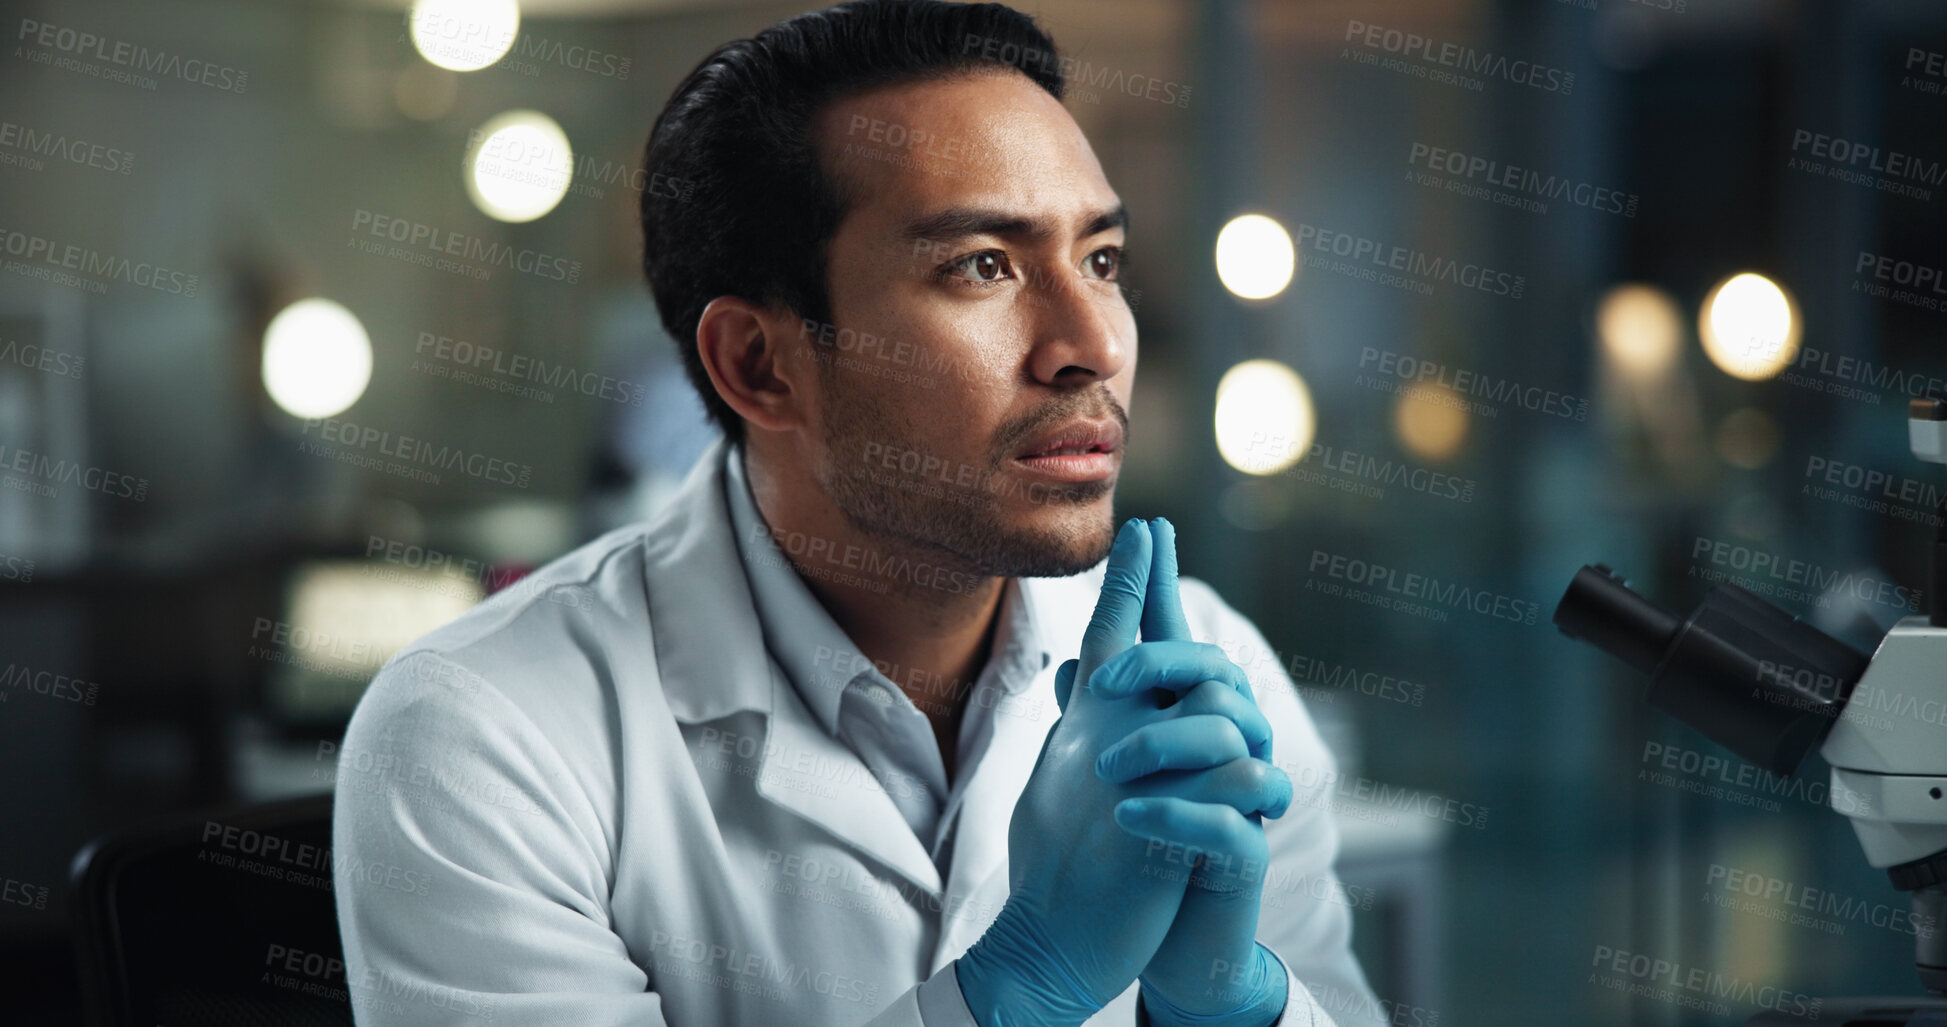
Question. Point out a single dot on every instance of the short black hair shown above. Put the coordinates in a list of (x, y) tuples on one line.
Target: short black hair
[(734, 199)]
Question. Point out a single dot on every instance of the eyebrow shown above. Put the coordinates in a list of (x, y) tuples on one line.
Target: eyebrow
[(960, 222)]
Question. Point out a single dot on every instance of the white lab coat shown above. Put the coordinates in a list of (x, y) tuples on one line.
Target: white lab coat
[(596, 799)]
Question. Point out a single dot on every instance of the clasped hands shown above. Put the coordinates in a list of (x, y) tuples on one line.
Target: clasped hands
[(1137, 848)]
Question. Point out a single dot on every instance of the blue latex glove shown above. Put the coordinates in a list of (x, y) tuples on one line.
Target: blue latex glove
[(1209, 968), (1089, 902)]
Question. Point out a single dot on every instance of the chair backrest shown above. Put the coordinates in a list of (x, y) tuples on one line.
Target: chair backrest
[(222, 919)]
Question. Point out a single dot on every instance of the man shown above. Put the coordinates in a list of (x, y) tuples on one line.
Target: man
[(834, 738)]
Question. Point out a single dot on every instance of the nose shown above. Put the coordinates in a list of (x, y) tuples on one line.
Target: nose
[(1083, 331)]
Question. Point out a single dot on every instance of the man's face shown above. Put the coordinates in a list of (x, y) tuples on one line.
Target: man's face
[(958, 349)]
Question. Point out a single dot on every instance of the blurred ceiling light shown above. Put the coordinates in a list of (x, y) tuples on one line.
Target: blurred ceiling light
[(464, 35), (423, 92), (1265, 418), (1430, 421), (1254, 257), (317, 358), (518, 165), (1747, 438), (1641, 329), (1749, 327)]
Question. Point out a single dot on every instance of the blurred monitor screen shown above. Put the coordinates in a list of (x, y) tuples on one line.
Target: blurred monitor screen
[(342, 620)]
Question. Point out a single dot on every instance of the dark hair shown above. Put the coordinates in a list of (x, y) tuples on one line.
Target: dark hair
[(734, 199)]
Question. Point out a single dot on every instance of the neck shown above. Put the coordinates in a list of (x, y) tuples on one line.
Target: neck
[(929, 640)]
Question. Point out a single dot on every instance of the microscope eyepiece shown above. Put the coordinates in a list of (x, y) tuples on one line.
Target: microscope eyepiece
[(1754, 678)]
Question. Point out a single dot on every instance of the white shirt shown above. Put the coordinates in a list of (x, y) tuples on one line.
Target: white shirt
[(597, 798), (858, 702)]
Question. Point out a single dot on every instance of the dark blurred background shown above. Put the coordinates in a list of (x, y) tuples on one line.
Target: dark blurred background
[(1647, 283)]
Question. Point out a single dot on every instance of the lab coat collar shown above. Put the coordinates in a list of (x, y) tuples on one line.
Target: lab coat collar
[(698, 590), (814, 652)]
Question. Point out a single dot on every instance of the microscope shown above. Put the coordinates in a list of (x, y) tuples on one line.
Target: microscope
[(1770, 688)]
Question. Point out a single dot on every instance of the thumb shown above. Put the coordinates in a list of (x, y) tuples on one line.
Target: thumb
[(1162, 616), (1065, 682)]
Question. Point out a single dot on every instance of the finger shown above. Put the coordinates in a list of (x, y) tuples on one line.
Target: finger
[(1225, 701), (1162, 606), (1185, 743), (1252, 787), (1118, 612), (1177, 666), (1221, 835), (1064, 683)]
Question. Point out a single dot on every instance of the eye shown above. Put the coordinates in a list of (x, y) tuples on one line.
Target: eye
[(1108, 261), (983, 264)]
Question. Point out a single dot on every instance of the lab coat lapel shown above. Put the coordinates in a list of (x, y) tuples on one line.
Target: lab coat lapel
[(711, 656), (1021, 726), (979, 867)]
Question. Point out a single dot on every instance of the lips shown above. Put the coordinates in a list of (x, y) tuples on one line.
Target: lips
[(1076, 437)]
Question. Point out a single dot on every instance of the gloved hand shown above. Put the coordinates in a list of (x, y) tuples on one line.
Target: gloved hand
[(1089, 902), (1209, 968)]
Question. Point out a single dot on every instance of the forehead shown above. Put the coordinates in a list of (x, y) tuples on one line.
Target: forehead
[(989, 139)]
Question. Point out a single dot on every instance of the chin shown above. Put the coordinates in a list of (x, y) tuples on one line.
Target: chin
[(1058, 541)]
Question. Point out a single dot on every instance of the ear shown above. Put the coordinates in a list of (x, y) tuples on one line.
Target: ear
[(754, 360)]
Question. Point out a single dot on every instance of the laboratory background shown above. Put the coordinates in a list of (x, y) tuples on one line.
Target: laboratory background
[(1439, 301)]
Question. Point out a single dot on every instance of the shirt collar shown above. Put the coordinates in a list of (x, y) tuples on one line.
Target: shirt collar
[(816, 655)]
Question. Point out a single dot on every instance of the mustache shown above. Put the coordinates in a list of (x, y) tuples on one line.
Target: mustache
[(1093, 406)]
